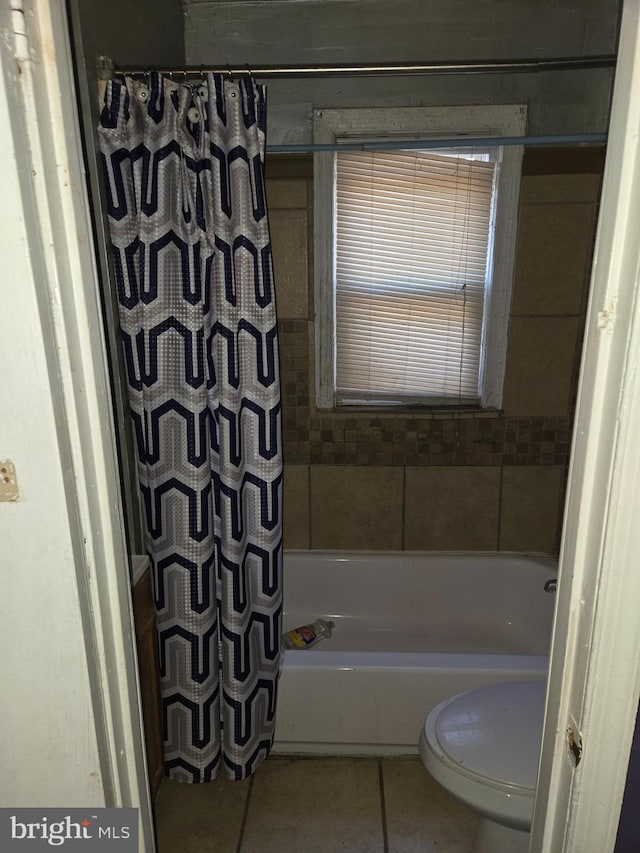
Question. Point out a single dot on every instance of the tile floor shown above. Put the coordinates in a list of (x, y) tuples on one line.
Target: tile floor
[(316, 805)]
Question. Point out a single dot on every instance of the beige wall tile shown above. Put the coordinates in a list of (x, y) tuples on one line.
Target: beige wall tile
[(553, 258), (560, 188), (296, 506), (290, 262), (286, 193), (452, 508), (316, 805), (530, 508), (540, 363), (357, 508), (420, 814)]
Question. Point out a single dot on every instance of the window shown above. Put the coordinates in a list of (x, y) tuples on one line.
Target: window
[(414, 258)]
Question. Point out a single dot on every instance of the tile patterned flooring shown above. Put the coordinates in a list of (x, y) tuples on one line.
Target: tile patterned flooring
[(319, 805)]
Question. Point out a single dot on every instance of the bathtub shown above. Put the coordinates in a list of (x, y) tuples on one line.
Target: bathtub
[(411, 629)]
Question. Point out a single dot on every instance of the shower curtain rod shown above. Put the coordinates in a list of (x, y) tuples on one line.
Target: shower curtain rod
[(459, 142), (498, 66), (107, 68)]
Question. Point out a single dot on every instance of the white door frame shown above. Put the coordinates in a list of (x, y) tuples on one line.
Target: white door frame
[(53, 202), (594, 677)]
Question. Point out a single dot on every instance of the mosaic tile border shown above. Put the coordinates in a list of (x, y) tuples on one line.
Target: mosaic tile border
[(404, 439)]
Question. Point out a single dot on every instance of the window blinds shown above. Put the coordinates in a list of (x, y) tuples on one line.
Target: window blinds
[(412, 244)]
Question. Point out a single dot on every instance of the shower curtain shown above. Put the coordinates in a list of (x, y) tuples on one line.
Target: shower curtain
[(183, 168)]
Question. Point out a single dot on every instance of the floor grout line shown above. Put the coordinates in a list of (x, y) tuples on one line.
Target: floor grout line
[(407, 826), (244, 816), (385, 837)]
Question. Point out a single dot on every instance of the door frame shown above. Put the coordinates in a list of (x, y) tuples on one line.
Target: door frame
[(54, 195), (594, 677)]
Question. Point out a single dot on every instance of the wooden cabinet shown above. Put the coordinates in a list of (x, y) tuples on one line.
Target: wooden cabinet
[(144, 617)]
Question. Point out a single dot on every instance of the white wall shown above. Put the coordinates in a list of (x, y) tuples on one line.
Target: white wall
[(69, 704), (274, 32), (49, 745)]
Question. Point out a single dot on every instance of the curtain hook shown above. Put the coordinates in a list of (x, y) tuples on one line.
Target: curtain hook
[(229, 73)]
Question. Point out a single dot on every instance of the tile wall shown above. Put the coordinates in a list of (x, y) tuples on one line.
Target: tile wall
[(437, 481)]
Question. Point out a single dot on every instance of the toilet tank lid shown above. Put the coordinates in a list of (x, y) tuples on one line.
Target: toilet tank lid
[(496, 731)]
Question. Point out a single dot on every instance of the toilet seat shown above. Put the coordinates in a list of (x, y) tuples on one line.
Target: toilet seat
[(483, 746), (495, 732)]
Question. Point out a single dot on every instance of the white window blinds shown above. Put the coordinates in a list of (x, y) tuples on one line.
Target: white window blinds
[(413, 236)]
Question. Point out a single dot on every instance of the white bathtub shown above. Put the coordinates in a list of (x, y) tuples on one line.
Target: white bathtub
[(411, 629)]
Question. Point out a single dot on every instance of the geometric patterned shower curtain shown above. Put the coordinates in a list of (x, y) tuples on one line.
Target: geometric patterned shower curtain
[(184, 180)]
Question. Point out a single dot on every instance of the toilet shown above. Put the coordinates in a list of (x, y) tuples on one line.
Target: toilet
[(483, 747)]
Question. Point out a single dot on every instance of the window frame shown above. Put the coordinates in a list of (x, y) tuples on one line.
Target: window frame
[(332, 126)]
